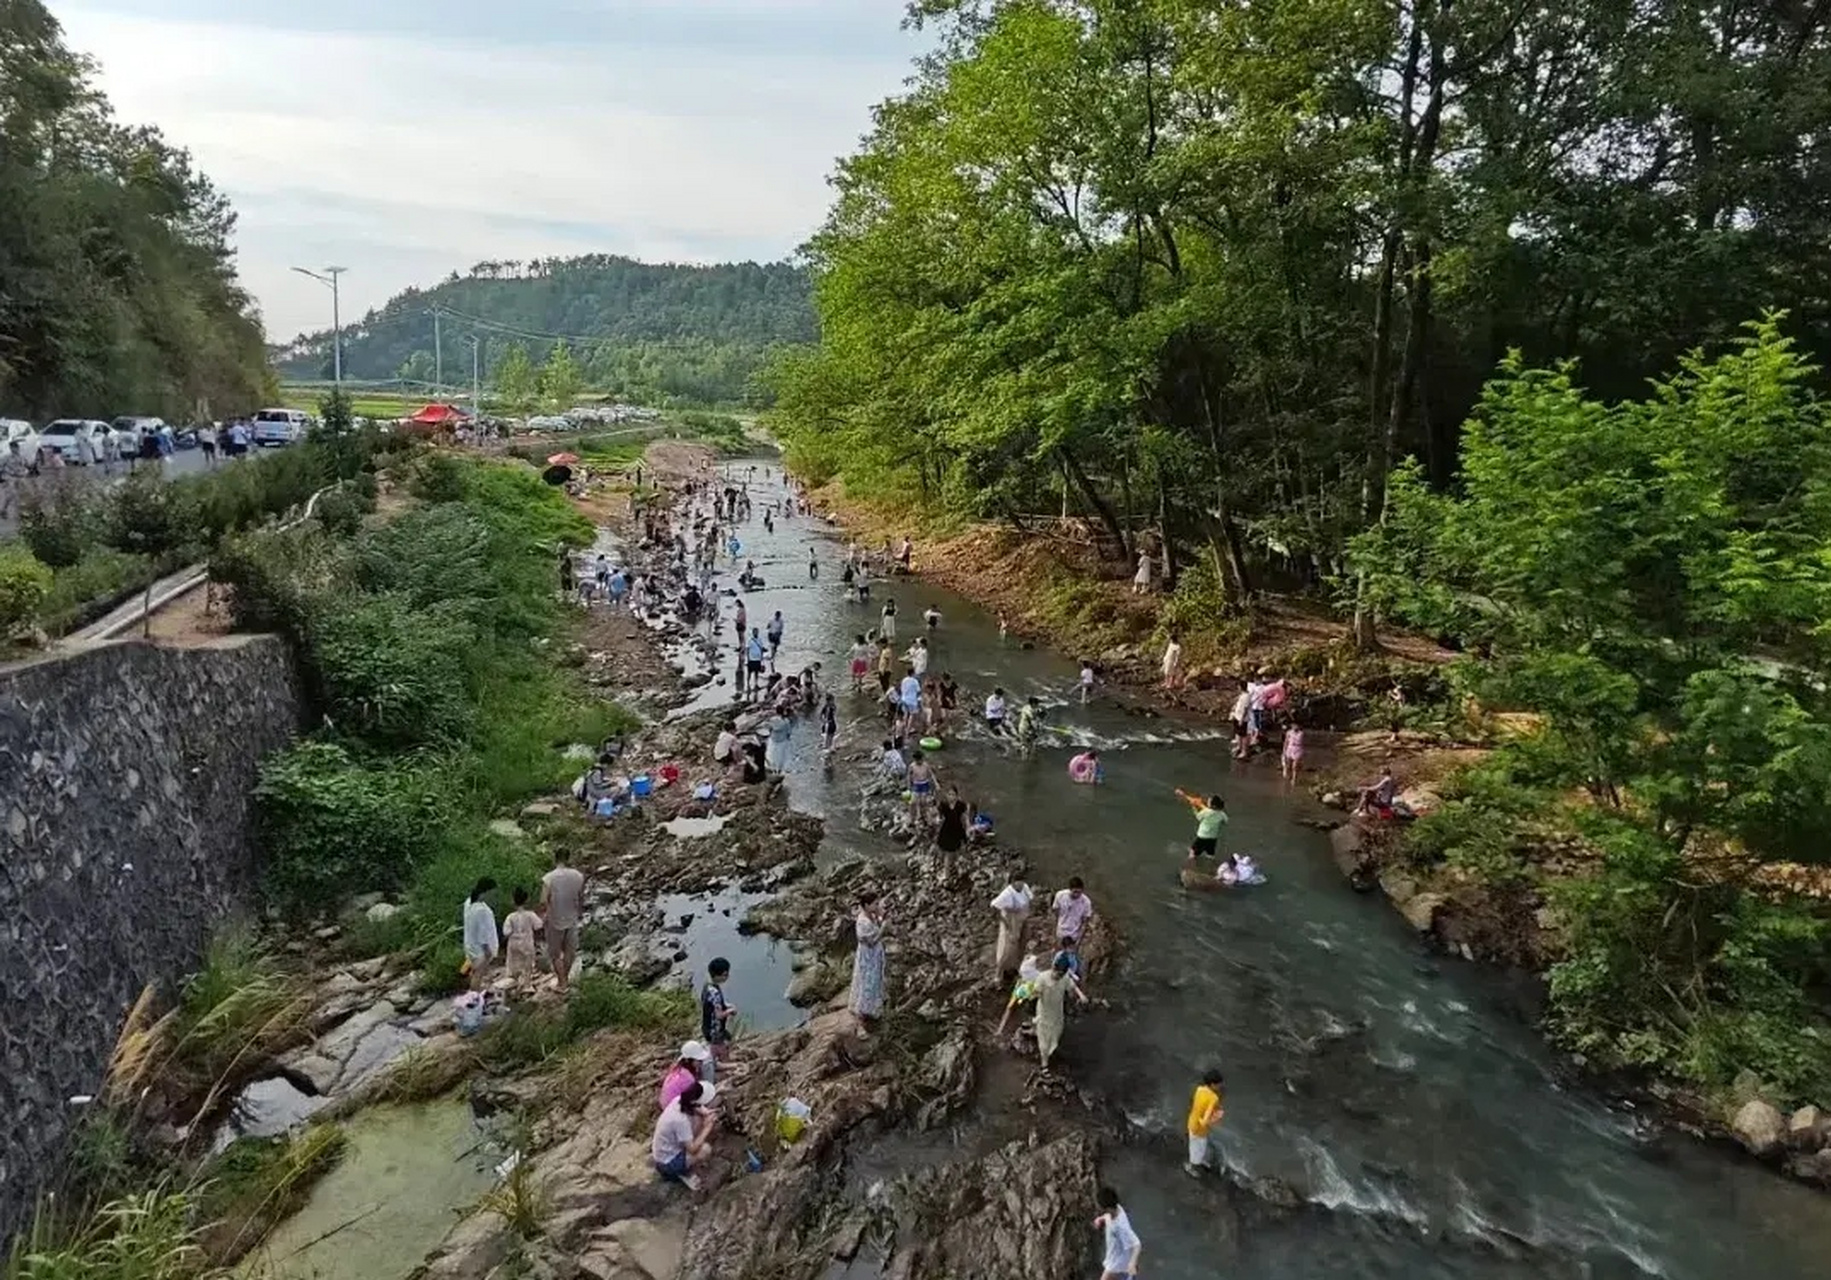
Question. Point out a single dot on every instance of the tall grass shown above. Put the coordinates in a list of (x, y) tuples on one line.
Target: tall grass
[(149, 1236), (531, 1036)]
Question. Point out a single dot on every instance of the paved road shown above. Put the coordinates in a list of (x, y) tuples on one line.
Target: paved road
[(182, 463)]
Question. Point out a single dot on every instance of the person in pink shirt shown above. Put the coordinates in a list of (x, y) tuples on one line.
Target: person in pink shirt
[(684, 1072), (1072, 908)]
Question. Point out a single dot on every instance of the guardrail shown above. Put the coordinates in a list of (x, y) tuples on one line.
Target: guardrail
[(118, 625)]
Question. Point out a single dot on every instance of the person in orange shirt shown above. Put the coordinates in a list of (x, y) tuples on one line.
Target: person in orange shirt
[(1205, 1111)]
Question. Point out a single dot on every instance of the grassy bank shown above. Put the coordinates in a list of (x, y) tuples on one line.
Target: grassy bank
[(426, 644)]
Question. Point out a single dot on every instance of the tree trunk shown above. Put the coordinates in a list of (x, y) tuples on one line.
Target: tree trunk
[(1071, 469)]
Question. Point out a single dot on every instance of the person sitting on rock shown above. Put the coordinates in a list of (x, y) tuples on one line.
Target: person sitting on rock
[(686, 1071), (683, 1135), (1377, 797)]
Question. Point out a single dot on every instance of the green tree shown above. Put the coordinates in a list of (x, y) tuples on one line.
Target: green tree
[(515, 379), (418, 367), (1650, 579), (121, 292), (559, 379)]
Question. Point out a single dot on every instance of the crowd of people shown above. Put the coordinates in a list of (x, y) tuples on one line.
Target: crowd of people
[(920, 705)]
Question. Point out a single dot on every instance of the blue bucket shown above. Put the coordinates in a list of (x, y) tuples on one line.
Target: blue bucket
[(640, 786)]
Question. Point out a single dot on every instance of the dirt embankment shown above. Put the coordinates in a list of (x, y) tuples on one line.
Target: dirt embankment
[(1051, 586)]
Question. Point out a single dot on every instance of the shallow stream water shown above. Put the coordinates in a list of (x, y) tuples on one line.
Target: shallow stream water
[(1404, 1097)]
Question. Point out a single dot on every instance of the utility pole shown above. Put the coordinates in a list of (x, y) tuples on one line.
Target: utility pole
[(476, 378), (438, 358), (329, 279)]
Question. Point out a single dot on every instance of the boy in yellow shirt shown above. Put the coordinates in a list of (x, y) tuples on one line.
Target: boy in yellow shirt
[(1205, 1111)]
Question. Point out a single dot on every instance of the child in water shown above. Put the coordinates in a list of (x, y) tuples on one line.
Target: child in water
[(1205, 1111), (1085, 768)]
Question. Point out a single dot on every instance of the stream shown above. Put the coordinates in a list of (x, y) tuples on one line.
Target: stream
[(1404, 1097)]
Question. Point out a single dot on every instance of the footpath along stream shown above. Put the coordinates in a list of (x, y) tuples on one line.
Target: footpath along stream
[(1404, 1099)]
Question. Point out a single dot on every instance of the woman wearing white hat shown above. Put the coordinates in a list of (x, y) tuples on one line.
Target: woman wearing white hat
[(687, 1070), (683, 1135)]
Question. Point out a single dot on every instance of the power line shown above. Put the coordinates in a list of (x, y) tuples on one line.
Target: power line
[(515, 331)]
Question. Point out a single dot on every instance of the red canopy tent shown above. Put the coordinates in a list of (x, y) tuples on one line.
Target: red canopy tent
[(437, 418)]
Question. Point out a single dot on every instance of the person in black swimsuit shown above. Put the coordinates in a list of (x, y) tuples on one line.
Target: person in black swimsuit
[(950, 836)]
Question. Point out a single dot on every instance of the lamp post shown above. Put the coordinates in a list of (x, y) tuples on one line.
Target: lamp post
[(329, 279)]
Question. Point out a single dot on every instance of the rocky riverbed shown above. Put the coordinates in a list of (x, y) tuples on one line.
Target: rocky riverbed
[(934, 1149)]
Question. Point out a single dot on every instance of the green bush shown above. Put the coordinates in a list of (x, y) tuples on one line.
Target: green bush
[(59, 525), (333, 826), (274, 577), (437, 477), (516, 501), (25, 585), (389, 674), (530, 1036), (340, 511), (150, 517), (91, 586)]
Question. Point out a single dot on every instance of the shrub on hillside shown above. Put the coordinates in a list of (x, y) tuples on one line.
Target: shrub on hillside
[(273, 576), (58, 523), (150, 517), (437, 477), (388, 673), (84, 589), (25, 583), (333, 826), (340, 511)]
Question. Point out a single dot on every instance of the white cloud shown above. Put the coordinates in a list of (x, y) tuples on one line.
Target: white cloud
[(405, 157)]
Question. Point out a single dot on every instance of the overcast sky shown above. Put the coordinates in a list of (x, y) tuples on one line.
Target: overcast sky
[(405, 139)]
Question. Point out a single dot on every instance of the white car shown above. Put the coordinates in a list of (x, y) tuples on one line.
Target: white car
[(129, 431), (18, 431), (279, 427), (63, 435)]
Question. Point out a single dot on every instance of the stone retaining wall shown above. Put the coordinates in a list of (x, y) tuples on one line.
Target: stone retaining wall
[(126, 779)]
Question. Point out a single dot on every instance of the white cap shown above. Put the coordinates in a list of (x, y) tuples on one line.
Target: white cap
[(694, 1051)]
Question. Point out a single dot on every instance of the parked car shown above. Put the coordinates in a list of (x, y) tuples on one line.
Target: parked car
[(18, 431), (129, 431), (274, 427), (63, 435)]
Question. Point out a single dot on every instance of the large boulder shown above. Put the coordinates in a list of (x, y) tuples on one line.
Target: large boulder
[(1760, 1127), (1421, 911), (1808, 1129), (815, 985)]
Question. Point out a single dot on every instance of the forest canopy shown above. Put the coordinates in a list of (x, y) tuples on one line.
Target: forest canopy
[(1216, 268), (118, 291)]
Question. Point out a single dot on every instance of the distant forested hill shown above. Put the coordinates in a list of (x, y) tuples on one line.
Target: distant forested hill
[(649, 331)]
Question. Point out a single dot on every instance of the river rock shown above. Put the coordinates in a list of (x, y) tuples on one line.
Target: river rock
[(1399, 886), (1019, 1214), (1807, 1129), (1813, 1166), (381, 912), (1421, 911), (816, 984), (1348, 847), (1760, 1127)]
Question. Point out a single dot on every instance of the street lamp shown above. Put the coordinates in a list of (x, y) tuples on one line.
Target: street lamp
[(329, 278)]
